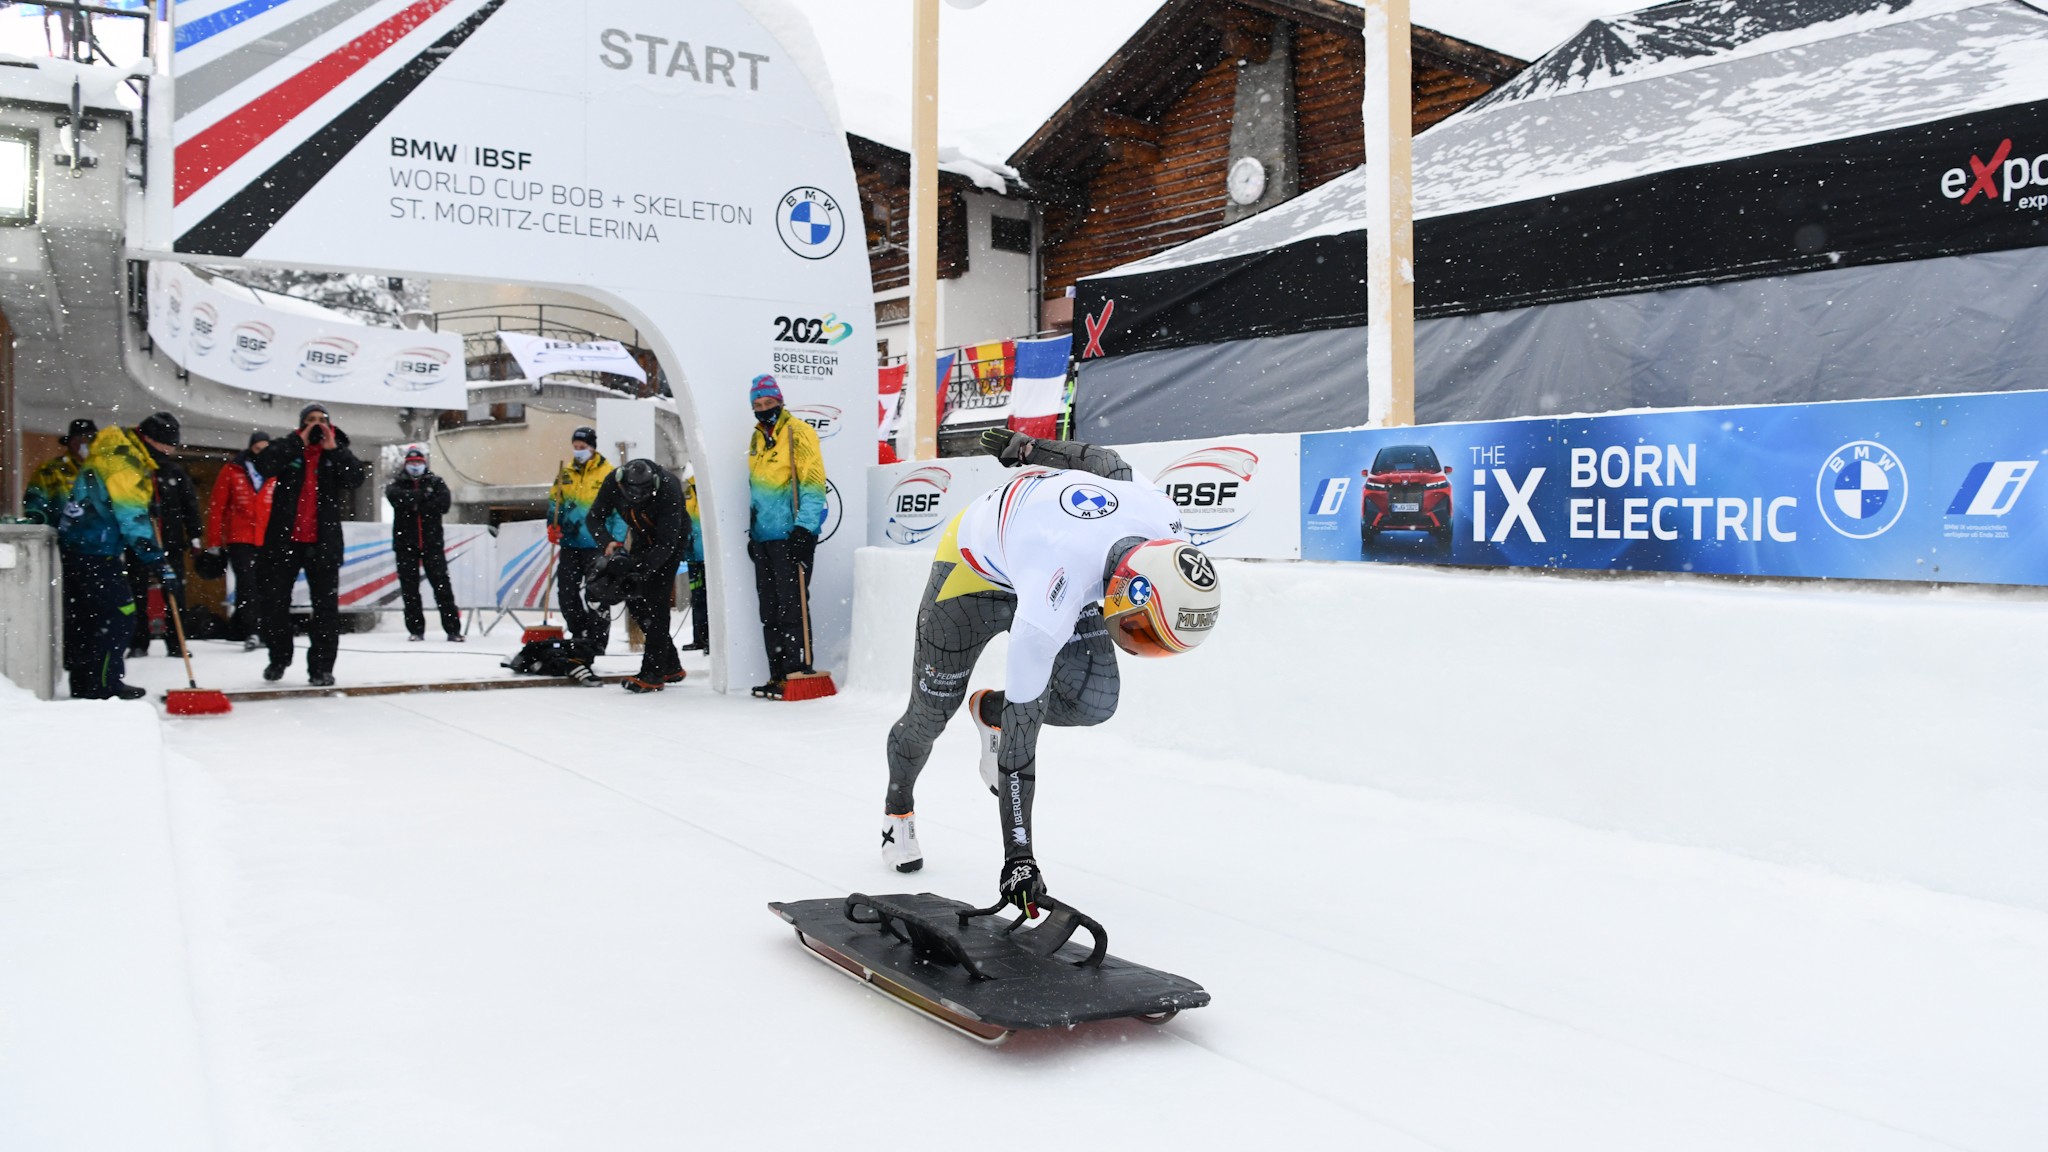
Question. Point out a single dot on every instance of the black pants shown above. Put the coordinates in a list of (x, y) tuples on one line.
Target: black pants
[(321, 563), (410, 559), (591, 629), (700, 615), (100, 604), (651, 604), (140, 577), (782, 580), (247, 562)]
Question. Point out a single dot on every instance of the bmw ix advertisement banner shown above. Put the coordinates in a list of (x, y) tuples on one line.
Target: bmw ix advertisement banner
[(1935, 488)]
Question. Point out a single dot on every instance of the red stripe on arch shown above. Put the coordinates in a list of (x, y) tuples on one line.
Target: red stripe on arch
[(212, 151)]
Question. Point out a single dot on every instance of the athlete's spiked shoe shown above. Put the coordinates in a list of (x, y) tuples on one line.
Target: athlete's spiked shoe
[(991, 740), (899, 843)]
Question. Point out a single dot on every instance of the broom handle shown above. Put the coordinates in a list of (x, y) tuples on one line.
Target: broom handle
[(177, 624), (796, 505), (554, 551), (803, 599)]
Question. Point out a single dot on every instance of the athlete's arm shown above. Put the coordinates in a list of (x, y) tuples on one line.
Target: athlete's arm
[(1017, 449)]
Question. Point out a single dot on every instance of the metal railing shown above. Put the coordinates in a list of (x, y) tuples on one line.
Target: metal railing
[(488, 360), (68, 28)]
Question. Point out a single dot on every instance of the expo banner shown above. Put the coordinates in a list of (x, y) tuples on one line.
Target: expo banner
[(1927, 488), (1237, 494), (246, 345)]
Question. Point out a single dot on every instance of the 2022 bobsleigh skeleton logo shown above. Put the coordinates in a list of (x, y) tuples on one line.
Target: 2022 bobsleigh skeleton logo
[(810, 222), (1862, 489)]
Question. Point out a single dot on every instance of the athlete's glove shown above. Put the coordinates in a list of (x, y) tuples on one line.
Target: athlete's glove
[(1009, 447), (554, 533), (1022, 884)]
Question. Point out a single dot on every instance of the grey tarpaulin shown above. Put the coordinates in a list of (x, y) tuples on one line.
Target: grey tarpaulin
[(1954, 324)]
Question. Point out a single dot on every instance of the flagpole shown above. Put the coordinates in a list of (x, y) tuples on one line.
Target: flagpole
[(1389, 216), (922, 383)]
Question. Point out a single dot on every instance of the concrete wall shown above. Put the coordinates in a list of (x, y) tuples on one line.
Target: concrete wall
[(31, 606)]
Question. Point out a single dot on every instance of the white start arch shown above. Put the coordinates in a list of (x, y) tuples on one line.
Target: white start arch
[(681, 162)]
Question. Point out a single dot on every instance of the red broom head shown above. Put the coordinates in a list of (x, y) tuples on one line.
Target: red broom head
[(541, 632), (813, 687), (197, 702)]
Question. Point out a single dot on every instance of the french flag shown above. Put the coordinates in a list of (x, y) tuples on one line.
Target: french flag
[(1038, 397)]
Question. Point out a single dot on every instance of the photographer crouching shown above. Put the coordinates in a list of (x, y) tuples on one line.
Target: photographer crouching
[(642, 568)]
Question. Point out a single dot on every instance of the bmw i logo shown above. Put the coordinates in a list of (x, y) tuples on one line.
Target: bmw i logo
[(1087, 502), (810, 223), (1862, 489)]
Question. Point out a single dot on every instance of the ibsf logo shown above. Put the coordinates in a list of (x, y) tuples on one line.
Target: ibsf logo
[(914, 504), (1997, 179), (835, 513), (1329, 497), (325, 359), (1212, 488), (810, 222), (823, 417), (205, 329), (174, 307), (1992, 488), (1862, 489), (416, 369), (249, 344)]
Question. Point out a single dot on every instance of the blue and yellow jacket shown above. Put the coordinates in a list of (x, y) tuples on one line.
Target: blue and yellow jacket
[(569, 501), (113, 492), (793, 461), (49, 487), (696, 521)]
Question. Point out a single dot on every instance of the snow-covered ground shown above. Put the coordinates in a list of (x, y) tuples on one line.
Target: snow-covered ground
[(537, 919)]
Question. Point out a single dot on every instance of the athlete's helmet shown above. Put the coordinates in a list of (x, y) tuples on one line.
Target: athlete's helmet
[(1163, 599)]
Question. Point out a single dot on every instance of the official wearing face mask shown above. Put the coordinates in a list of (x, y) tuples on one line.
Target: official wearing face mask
[(786, 475), (569, 501), (419, 499)]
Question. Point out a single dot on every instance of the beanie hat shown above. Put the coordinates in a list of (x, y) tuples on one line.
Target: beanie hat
[(415, 452), (258, 437), (586, 434), (309, 409), (162, 428), (765, 386), (81, 429)]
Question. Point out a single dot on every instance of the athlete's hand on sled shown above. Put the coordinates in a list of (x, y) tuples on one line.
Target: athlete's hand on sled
[(1023, 885), (1012, 448)]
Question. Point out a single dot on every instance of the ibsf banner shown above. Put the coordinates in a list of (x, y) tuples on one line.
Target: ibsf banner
[(369, 568), (243, 344), (1237, 495), (1933, 488)]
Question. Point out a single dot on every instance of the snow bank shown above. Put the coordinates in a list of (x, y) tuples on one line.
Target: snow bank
[(1891, 736), (98, 1043)]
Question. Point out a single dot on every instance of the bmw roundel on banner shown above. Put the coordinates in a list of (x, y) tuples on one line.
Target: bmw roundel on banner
[(810, 223), (1862, 489)]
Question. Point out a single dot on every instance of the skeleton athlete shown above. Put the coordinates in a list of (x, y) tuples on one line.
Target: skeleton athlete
[(1070, 556)]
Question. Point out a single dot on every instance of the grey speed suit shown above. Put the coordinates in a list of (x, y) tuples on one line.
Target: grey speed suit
[(953, 629)]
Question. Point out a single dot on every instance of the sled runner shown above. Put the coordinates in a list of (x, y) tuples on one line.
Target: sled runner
[(981, 975)]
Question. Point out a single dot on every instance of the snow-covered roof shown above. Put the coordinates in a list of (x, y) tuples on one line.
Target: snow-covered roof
[(1682, 85)]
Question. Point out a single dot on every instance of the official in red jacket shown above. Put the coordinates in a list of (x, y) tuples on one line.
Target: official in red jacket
[(235, 525)]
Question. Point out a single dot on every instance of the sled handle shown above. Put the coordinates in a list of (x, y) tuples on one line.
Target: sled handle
[(926, 939), (1059, 927)]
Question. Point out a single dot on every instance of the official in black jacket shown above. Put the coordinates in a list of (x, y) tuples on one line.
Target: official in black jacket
[(418, 500), (649, 499), (316, 476), (175, 509)]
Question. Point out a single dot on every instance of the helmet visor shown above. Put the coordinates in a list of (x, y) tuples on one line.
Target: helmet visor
[(1140, 635)]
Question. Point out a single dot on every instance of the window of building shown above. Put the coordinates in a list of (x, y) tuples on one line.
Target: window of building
[(1009, 235), (17, 179)]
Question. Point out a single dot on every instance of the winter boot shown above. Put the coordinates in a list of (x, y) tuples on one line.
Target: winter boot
[(637, 685), (990, 734), (899, 843)]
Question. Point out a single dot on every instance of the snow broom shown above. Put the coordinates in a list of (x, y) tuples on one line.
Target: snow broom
[(545, 630), (191, 700), (803, 685)]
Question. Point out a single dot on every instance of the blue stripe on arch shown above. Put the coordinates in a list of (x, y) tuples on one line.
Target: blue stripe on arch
[(207, 27)]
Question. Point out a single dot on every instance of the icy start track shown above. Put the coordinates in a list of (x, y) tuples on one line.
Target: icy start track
[(536, 920)]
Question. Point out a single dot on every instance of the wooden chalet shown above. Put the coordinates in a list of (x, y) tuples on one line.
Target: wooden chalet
[(1141, 158)]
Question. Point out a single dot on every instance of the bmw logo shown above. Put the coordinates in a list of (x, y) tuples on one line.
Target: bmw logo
[(1087, 502), (1139, 591), (810, 223), (1862, 489)]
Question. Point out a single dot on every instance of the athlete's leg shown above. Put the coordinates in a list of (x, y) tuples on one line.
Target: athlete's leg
[(1082, 692), (950, 636)]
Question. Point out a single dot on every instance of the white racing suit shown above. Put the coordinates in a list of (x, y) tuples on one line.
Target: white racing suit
[(1032, 559)]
